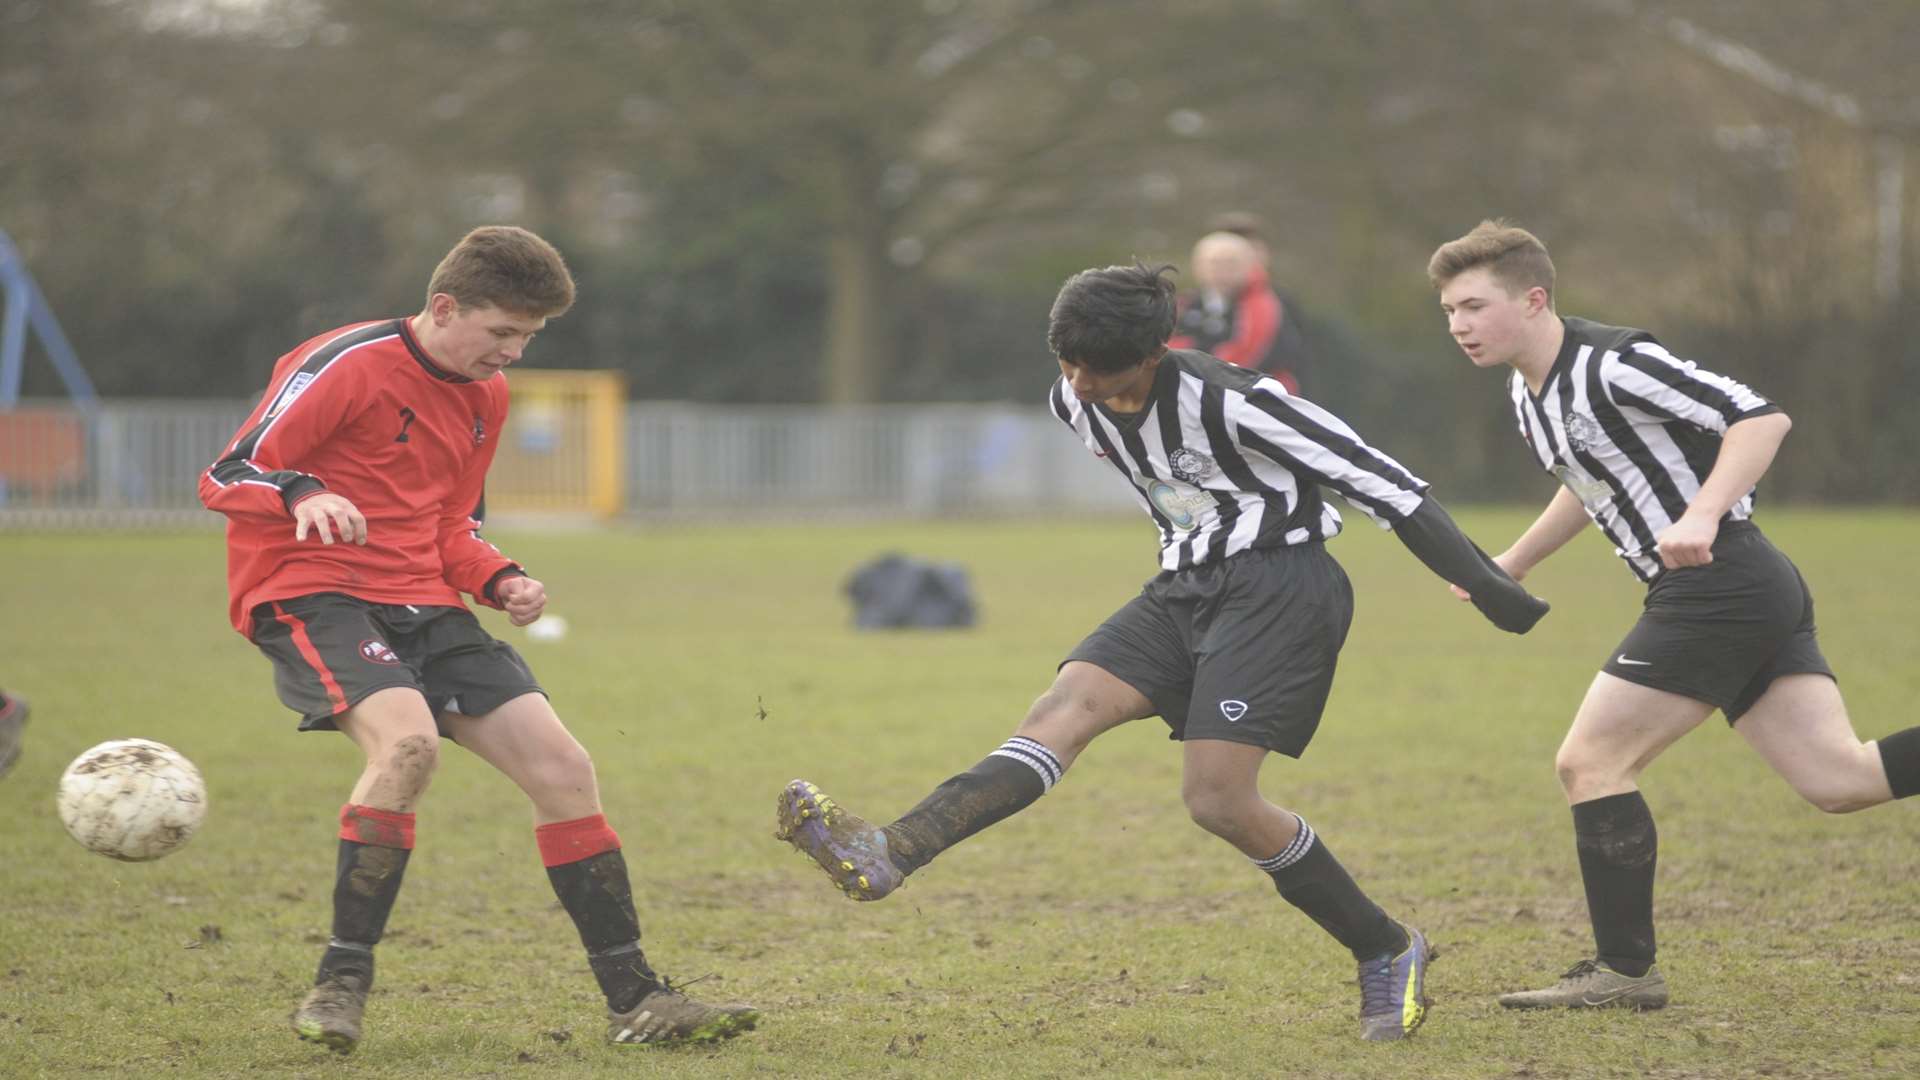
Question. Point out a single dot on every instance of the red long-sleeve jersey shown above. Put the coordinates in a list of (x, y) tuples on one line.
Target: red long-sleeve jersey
[(363, 412)]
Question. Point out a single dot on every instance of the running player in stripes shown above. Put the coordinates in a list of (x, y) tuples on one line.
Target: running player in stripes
[(353, 498), (1663, 457), (1233, 644)]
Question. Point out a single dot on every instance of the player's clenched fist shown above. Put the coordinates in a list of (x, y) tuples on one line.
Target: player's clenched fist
[(1687, 542), (328, 514), (522, 597)]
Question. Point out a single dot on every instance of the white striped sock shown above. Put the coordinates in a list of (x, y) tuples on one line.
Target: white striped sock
[(1292, 853), (1035, 756)]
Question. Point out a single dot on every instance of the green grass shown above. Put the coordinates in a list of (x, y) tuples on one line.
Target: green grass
[(1099, 931)]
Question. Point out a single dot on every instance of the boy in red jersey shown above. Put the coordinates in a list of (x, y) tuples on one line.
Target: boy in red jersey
[(353, 496)]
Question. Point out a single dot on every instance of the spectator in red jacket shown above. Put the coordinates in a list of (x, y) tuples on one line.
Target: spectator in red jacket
[(1234, 312)]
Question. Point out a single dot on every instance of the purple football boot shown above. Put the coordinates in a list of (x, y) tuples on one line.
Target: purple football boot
[(851, 851), (1393, 1000)]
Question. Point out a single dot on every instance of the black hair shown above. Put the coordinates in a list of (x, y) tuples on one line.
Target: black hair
[(1113, 318)]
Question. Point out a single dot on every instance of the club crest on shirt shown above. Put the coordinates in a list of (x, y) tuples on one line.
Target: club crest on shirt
[(1190, 465), (1583, 431), (377, 651), (479, 431)]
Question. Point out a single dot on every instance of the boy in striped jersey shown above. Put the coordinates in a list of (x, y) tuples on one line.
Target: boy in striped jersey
[(1662, 456), (353, 498), (1233, 644)]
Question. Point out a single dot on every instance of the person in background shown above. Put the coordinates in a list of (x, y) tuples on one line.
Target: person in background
[(13, 717), (1234, 312), (1231, 313)]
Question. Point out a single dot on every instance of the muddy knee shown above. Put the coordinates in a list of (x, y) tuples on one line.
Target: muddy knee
[(1062, 719), (405, 768)]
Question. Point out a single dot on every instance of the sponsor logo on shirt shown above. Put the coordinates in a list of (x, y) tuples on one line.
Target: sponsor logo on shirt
[(479, 431), (299, 383), (1181, 508), (1591, 491)]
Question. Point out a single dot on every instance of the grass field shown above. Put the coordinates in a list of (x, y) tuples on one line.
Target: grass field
[(1098, 932)]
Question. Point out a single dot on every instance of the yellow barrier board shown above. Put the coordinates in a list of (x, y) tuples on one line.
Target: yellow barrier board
[(564, 445)]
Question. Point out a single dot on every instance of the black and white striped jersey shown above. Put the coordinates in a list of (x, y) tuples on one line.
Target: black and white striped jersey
[(1225, 460), (1632, 430)]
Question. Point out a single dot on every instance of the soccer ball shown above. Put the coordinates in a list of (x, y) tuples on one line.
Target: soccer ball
[(131, 799)]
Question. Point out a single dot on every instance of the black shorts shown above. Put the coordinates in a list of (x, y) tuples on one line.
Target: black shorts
[(330, 651), (1721, 633), (1241, 650)]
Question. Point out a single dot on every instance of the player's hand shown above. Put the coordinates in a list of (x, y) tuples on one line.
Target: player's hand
[(328, 514), (1505, 562), (1687, 542), (522, 597)]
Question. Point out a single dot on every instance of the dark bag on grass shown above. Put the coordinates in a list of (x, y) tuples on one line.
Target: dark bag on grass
[(894, 591)]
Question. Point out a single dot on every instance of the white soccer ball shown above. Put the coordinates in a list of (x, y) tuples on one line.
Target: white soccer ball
[(547, 628), (131, 799)]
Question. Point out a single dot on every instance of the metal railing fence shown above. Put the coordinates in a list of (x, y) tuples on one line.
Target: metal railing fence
[(135, 463)]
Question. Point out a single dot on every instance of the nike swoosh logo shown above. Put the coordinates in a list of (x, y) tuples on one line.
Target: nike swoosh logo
[(1622, 659), (1592, 1002), (1099, 453)]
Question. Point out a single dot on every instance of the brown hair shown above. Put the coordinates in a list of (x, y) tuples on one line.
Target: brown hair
[(1516, 257), (506, 267)]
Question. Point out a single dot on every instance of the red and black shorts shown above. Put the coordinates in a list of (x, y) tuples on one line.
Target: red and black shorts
[(330, 651)]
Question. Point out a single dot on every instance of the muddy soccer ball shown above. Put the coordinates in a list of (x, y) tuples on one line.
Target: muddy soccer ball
[(131, 799)]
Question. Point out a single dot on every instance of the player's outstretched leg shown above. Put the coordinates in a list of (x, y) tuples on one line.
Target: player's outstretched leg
[(851, 851), (868, 862), (13, 717)]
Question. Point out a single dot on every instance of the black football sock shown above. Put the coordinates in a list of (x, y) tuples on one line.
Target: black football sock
[(1900, 754), (1311, 879), (366, 882), (1618, 846), (1004, 783), (597, 893)]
